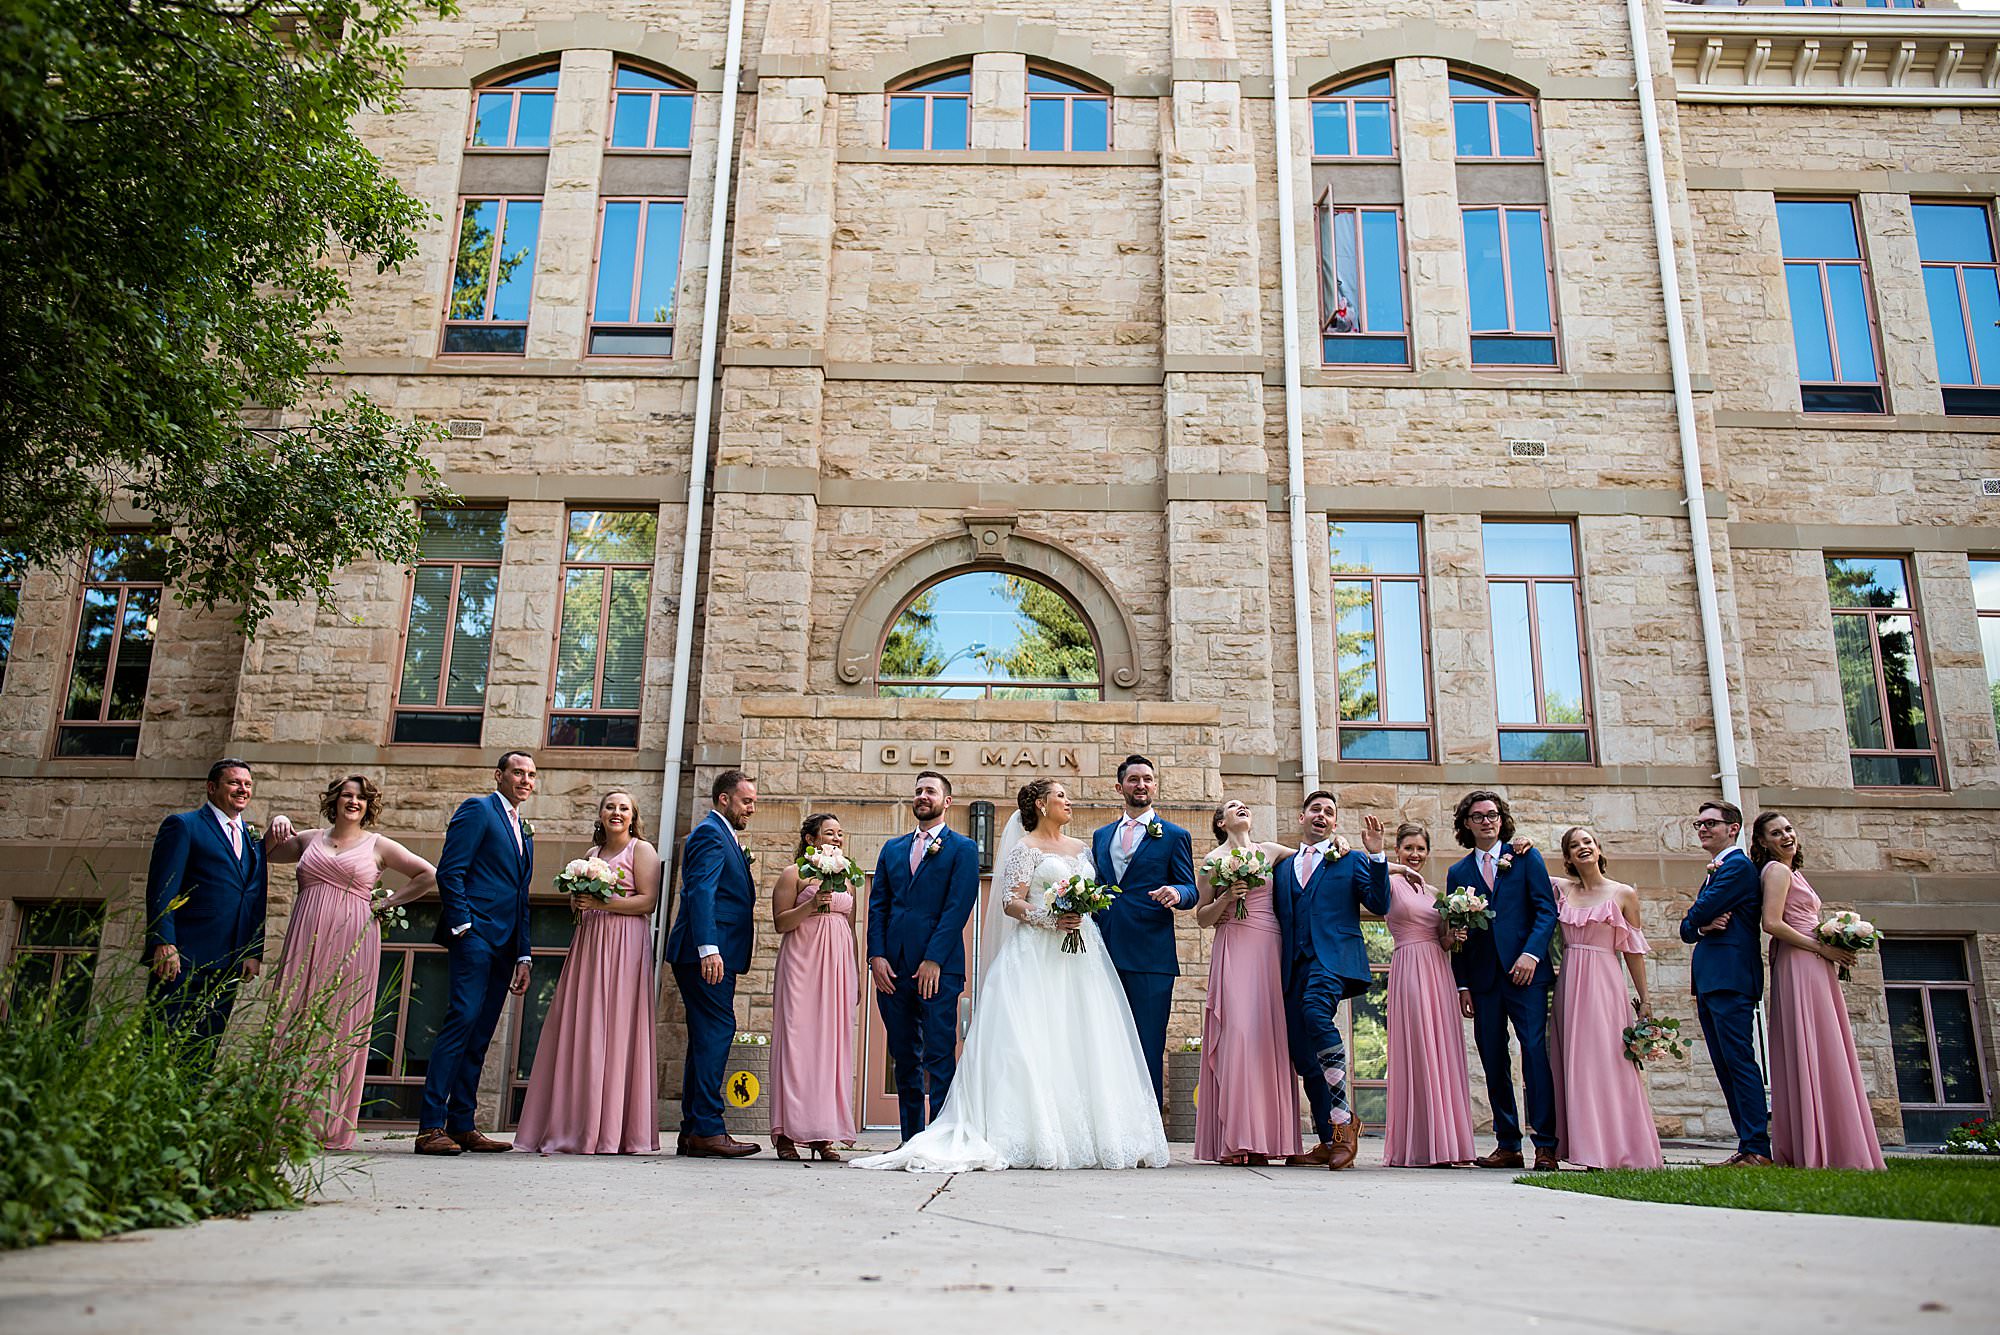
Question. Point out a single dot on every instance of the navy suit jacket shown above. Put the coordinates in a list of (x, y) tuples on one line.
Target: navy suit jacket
[(718, 898), (913, 917), (483, 879), (1524, 921), (1728, 960), (223, 916), (1139, 933), (1322, 920)]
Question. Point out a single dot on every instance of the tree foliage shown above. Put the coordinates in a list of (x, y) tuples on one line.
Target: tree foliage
[(1054, 643), (181, 189)]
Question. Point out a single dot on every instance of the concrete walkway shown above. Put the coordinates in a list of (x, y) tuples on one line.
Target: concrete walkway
[(518, 1243)]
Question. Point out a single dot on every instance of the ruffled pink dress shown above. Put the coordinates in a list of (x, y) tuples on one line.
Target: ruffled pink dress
[(1247, 1099), (332, 955), (1819, 1106), (1430, 1100), (594, 1082), (813, 998), (1603, 1118)]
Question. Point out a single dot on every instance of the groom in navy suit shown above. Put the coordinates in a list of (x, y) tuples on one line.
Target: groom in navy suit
[(708, 947), (926, 884), (1503, 974), (1152, 862), (205, 904), (1724, 926), (1318, 894), (482, 879)]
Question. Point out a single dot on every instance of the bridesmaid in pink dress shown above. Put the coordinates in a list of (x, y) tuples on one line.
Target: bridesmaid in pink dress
[(1247, 1100), (1603, 1117), (333, 948), (594, 1082), (813, 998), (1430, 1100), (1819, 1107)]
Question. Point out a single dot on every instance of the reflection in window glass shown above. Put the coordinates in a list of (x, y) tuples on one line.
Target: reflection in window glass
[(601, 638), (1535, 602), (493, 276), (934, 114), (1490, 122), (1932, 1030), (1355, 120), (1508, 282), (649, 112), (1986, 597), (1065, 116), (1879, 654), (54, 958), (516, 112), (1826, 285), (1379, 641), (1962, 289), (112, 659), (638, 271), (1361, 286), (990, 634), (448, 643)]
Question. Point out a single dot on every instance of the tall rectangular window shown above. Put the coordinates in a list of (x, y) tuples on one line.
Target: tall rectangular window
[(1511, 286), (493, 276), (1489, 121), (1380, 641), (1361, 286), (1535, 596), (607, 580), (1962, 286), (1876, 639), (934, 114), (649, 112), (441, 696), (113, 660), (54, 956), (10, 608), (1986, 597), (638, 272), (1833, 330), (551, 930), (412, 993), (1934, 1032)]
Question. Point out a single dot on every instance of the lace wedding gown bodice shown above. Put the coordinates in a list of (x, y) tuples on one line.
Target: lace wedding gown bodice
[(1052, 1075)]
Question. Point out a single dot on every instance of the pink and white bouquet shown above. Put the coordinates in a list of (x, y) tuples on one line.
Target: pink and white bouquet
[(593, 877), (1080, 895), (1850, 931), (1227, 868), (388, 917), (1650, 1038), (1463, 909), (830, 867)]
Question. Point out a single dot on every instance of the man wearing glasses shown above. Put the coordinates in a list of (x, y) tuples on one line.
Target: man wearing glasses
[(1728, 975)]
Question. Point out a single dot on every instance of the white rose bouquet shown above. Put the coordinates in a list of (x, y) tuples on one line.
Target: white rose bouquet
[(388, 918), (830, 867), (1850, 931), (593, 877), (1227, 868), (1466, 909), (1079, 895)]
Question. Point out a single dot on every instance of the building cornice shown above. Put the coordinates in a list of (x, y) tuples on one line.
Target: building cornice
[(1835, 57)]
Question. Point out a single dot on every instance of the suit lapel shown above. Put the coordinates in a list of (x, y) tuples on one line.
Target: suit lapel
[(1101, 851), (729, 835)]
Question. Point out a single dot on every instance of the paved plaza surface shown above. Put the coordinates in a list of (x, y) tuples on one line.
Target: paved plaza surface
[(494, 1243)]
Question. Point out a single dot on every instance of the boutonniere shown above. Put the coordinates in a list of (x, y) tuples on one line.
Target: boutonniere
[(1505, 861), (1155, 830), (527, 830), (749, 858), (252, 831), (931, 849), (1714, 866)]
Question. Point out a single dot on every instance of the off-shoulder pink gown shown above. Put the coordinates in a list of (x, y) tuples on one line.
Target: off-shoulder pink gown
[(1603, 1118), (813, 998), (594, 1082), (332, 956), (1819, 1105), (1247, 1099), (1430, 1100)]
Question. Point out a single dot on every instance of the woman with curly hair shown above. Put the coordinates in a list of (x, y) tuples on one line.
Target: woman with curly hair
[(813, 996)]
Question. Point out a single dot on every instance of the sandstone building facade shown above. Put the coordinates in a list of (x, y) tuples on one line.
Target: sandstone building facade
[(1337, 397)]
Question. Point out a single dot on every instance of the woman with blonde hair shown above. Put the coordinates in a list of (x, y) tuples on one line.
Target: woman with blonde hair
[(1430, 1093)]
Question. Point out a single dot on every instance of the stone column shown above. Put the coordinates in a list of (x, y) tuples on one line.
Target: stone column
[(568, 243), (1902, 311), (1000, 100), (1433, 234)]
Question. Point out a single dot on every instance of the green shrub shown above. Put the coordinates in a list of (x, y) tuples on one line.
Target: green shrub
[(1981, 1135)]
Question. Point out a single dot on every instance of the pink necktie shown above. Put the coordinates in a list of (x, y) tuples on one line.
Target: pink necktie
[(917, 847), (1127, 837), (236, 838), (1486, 869), (1308, 864), (514, 824)]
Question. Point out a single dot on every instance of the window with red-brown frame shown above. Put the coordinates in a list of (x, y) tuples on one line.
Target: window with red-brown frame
[(448, 630), (1541, 675), (1381, 640), (493, 276), (633, 297), (600, 650), (650, 111), (932, 112), (1934, 1023), (1355, 118), (1510, 286), (551, 930), (1884, 685), (54, 956), (1066, 115), (111, 664), (1986, 603), (11, 570), (1362, 313), (1833, 317), (1491, 122), (1962, 288), (515, 111)]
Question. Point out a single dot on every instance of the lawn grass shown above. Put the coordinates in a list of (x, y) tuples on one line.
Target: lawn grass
[(1943, 1189)]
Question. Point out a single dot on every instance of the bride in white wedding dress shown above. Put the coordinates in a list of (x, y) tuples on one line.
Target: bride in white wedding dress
[(1053, 1075)]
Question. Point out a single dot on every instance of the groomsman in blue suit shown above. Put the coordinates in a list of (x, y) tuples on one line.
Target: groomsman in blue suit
[(708, 947), (482, 879), (1504, 975), (1727, 969), (205, 891), (1152, 862), (926, 884), (1318, 894)]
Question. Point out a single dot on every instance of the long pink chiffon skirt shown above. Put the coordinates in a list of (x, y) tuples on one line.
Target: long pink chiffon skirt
[(813, 998), (593, 1087), (1820, 1116), (1430, 1100), (332, 956), (1247, 1101), (1603, 1118)]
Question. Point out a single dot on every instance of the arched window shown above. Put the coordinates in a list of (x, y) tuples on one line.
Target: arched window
[(1065, 116), (990, 634), (1356, 118), (933, 111), (650, 111), (515, 111), (1489, 121)]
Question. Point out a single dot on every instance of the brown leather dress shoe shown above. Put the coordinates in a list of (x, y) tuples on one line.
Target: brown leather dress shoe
[(1546, 1161), (716, 1147), (1500, 1158), (1748, 1160), (1315, 1157), (433, 1140), (1345, 1145), (474, 1143)]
